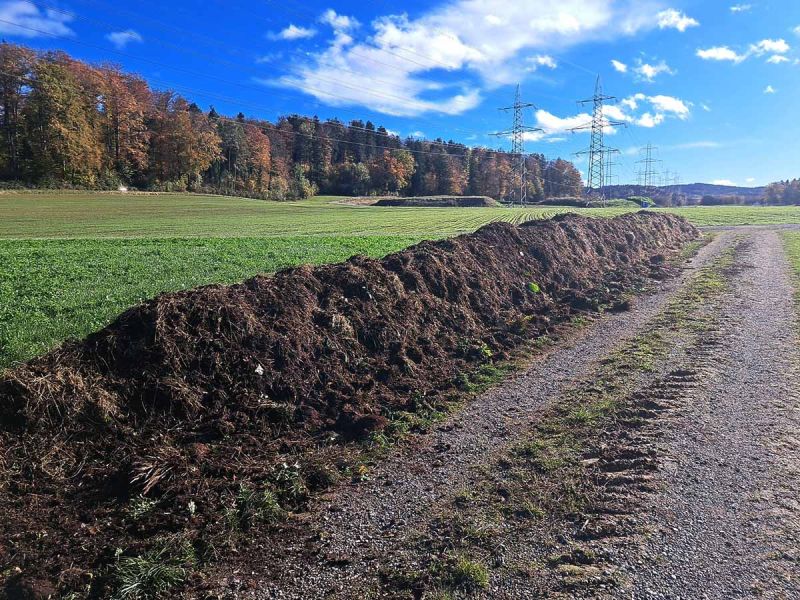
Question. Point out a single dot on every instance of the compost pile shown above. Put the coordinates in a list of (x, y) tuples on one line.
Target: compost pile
[(185, 398)]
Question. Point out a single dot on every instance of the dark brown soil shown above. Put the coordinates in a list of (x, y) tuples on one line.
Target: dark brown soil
[(439, 201), (186, 397)]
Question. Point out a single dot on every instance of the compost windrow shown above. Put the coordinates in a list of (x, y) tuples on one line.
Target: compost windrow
[(188, 396)]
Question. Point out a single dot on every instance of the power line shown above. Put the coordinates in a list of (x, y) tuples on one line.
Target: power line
[(597, 149), (517, 132)]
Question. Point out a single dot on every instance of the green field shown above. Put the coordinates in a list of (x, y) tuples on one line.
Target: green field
[(791, 243), (70, 262)]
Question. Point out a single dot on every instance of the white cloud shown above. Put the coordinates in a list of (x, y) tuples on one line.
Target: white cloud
[(770, 90), (337, 21), (740, 8), (770, 47), (647, 72), (293, 32), (726, 182), (777, 59), (392, 68), (674, 19), (750, 180), (796, 30), (121, 39), (705, 107), (777, 49), (543, 60), (20, 18), (620, 67), (655, 111), (554, 125), (632, 102), (695, 145), (417, 135), (670, 104), (721, 53), (648, 120)]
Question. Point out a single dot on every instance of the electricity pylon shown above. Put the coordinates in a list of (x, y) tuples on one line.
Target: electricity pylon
[(519, 171), (649, 172), (597, 149)]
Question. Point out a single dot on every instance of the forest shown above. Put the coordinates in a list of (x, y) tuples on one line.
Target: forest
[(784, 192), (67, 123)]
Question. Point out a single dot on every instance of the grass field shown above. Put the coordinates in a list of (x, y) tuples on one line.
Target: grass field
[(70, 262), (791, 242)]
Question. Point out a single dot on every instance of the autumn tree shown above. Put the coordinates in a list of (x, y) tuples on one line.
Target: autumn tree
[(62, 124), (392, 171)]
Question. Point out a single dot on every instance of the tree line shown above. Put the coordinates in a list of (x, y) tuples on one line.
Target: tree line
[(784, 192), (69, 123)]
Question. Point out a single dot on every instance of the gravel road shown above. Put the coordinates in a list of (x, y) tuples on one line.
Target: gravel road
[(724, 519), (726, 523)]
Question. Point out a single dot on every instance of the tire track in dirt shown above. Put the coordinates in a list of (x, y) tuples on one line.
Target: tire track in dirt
[(726, 520), (353, 533)]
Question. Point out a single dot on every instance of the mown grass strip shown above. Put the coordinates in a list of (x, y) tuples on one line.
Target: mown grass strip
[(791, 245)]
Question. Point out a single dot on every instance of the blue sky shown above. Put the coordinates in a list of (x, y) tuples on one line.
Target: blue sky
[(713, 84)]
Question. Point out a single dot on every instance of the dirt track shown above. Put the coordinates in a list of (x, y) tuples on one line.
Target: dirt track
[(726, 523), (718, 518)]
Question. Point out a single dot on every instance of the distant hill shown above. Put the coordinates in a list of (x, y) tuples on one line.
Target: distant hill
[(691, 190)]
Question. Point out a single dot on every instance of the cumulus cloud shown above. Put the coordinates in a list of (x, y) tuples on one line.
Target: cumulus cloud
[(620, 67), (725, 182), (639, 110), (675, 19), (647, 72), (670, 104), (777, 59), (293, 32), (337, 21), (121, 39), (392, 67), (649, 120), (721, 53), (543, 60), (740, 8), (770, 90), (776, 48), (770, 47), (21, 18)]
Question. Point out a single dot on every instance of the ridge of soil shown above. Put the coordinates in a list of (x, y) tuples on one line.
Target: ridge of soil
[(356, 533), (188, 397)]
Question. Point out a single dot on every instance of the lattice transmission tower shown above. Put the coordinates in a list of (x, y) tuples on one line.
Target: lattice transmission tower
[(648, 172), (519, 172), (597, 151)]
